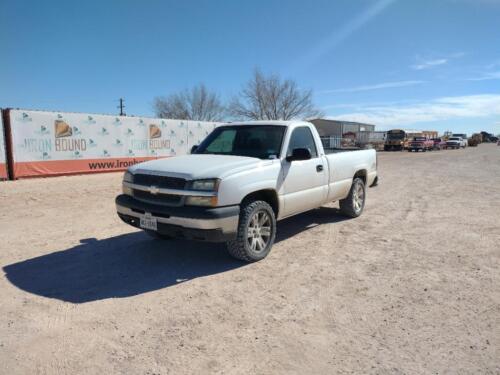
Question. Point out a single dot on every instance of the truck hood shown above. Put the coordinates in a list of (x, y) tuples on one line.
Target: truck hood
[(193, 167)]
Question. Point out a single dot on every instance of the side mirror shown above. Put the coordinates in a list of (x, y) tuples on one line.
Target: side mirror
[(194, 148), (299, 154)]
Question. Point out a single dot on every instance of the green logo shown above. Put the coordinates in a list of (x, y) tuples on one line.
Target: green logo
[(43, 130)]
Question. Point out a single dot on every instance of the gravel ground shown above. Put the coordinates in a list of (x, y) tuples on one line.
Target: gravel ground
[(412, 286)]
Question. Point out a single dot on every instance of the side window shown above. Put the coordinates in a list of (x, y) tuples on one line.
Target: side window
[(302, 138)]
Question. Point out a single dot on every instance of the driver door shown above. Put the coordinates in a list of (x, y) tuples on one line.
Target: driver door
[(305, 182)]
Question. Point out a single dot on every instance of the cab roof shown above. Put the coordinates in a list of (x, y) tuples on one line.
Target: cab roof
[(266, 122)]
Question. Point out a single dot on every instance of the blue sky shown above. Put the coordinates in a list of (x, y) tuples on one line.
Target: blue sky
[(425, 64)]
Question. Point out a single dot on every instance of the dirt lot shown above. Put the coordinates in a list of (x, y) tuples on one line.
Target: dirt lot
[(412, 286)]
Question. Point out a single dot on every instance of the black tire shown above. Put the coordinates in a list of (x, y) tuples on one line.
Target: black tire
[(349, 206), (241, 247), (157, 236)]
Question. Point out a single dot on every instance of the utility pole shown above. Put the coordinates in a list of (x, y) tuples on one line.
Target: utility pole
[(121, 107)]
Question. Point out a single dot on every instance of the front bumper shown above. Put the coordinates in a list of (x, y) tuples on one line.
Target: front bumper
[(217, 224)]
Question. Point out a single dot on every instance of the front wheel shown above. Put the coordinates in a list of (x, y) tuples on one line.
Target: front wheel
[(354, 204), (256, 232)]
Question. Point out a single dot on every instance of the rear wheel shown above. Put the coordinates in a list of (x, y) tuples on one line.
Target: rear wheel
[(354, 204), (256, 232)]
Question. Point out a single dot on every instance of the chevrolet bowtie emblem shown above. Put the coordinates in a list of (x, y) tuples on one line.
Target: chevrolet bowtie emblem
[(154, 190)]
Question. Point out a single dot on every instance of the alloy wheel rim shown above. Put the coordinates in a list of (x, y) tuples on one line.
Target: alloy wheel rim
[(358, 197), (259, 231)]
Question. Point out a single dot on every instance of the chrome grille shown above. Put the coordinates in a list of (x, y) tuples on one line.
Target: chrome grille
[(165, 199), (163, 182)]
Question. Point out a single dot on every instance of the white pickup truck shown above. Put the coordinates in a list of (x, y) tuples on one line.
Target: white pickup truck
[(240, 180), (456, 142)]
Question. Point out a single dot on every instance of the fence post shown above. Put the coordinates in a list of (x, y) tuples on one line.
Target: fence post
[(8, 144)]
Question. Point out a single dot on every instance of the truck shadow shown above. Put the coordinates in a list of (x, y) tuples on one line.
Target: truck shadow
[(133, 263)]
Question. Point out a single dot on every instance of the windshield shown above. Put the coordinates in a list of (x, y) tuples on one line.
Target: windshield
[(395, 135), (257, 141), (419, 139)]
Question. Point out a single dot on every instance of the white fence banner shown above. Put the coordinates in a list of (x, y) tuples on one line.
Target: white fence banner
[(52, 143)]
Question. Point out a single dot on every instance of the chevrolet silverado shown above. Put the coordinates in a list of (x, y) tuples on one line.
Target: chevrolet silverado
[(240, 180)]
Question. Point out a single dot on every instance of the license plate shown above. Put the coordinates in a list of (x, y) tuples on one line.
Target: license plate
[(148, 222)]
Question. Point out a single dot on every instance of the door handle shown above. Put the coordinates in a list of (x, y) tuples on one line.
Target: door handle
[(319, 168)]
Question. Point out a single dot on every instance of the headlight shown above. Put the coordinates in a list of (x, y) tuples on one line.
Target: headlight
[(128, 177), (205, 185), (201, 201)]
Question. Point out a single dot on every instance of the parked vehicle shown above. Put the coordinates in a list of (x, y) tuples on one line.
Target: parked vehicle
[(455, 143), (421, 144), (472, 142), (478, 137), (461, 135), (239, 181), (395, 140), (439, 144)]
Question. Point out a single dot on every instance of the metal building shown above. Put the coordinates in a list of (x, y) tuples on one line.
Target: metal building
[(336, 128)]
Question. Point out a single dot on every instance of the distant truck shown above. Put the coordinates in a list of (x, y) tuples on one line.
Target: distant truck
[(395, 140), (456, 142), (461, 135), (421, 144), (439, 144)]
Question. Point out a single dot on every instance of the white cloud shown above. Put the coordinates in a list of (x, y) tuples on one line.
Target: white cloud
[(429, 64), (385, 85), (423, 64), (486, 77), (445, 108)]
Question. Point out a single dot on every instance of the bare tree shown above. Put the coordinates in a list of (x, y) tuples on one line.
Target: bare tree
[(196, 104), (270, 98)]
